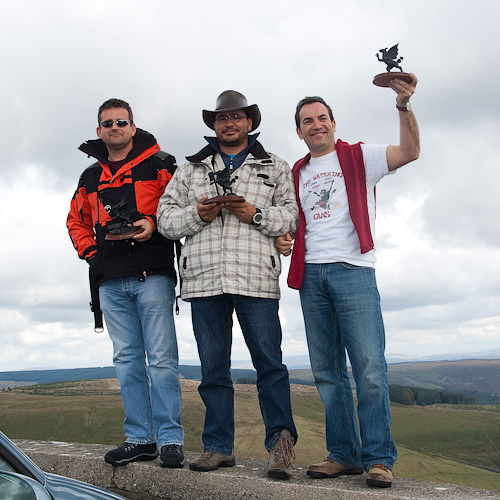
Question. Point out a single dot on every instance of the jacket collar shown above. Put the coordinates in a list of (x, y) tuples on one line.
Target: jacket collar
[(97, 149), (256, 150)]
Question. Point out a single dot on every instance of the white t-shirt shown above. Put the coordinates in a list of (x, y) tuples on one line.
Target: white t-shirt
[(330, 234)]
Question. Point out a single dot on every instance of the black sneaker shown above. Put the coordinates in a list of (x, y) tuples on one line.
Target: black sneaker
[(171, 456), (131, 452)]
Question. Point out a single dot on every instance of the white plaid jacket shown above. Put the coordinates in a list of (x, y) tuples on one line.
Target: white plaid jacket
[(226, 255)]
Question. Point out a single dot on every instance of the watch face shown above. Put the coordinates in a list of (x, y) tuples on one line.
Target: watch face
[(257, 218)]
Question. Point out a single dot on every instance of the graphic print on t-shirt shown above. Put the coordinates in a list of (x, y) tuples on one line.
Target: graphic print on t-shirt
[(319, 194)]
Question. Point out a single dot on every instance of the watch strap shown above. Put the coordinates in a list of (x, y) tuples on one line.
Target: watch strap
[(405, 108), (257, 217)]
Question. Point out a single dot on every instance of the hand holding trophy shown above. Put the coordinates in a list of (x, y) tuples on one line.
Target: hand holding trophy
[(223, 179), (121, 227)]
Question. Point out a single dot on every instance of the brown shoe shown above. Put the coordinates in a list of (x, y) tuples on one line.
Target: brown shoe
[(279, 464), (330, 468), (379, 475), (211, 461)]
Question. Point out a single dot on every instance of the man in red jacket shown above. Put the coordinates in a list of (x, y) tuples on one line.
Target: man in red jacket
[(333, 267), (112, 224)]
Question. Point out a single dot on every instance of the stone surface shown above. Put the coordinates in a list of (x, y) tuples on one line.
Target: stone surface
[(247, 480)]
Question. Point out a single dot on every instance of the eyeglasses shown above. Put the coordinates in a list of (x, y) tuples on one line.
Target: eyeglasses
[(230, 118), (119, 123)]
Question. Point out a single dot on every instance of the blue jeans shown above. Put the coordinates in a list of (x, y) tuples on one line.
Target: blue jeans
[(139, 319), (258, 318), (341, 307)]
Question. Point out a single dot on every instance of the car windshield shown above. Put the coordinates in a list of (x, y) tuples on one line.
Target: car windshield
[(16, 488), (5, 466)]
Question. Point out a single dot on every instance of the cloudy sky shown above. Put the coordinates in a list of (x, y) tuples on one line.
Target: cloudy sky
[(438, 229)]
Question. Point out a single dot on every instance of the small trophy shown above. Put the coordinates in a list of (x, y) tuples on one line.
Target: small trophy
[(390, 58), (120, 226), (223, 179)]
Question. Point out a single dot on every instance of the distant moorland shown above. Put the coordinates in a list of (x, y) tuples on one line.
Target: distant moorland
[(479, 379), (444, 443)]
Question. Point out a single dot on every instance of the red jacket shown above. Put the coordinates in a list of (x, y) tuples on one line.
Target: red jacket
[(353, 169), (137, 186)]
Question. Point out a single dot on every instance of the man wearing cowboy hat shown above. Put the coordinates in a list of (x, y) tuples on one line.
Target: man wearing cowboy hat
[(230, 263)]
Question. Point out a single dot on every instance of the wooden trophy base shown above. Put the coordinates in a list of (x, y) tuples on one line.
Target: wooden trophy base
[(384, 79), (124, 233), (224, 199)]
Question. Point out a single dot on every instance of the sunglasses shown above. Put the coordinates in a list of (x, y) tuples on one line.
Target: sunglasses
[(119, 123)]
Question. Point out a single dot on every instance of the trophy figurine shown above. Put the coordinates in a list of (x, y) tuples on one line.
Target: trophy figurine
[(223, 179), (120, 226), (391, 60)]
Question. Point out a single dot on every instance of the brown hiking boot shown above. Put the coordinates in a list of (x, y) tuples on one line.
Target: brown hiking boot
[(379, 475), (211, 461), (279, 464), (330, 468)]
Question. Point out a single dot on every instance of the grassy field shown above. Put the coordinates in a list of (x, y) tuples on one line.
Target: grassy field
[(458, 445)]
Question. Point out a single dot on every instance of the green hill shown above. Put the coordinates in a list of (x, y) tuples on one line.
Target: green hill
[(19, 378), (477, 378), (440, 442)]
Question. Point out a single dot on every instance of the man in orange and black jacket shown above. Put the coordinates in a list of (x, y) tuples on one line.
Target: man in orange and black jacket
[(112, 224)]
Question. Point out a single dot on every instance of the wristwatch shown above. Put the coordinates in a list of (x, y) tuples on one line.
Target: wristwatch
[(257, 217), (405, 108)]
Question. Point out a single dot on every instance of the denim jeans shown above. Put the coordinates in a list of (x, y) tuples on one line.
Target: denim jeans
[(258, 318), (341, 307), (139, 319)]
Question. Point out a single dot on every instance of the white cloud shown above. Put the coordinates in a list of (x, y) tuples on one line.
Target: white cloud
[(438, 233)]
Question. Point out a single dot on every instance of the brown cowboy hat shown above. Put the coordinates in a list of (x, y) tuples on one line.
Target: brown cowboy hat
[(230, 100)]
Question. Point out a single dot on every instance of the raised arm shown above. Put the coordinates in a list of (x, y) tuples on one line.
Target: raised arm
[(409, 141)]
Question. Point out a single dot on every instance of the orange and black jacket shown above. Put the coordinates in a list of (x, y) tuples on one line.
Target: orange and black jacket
[(136, 187)]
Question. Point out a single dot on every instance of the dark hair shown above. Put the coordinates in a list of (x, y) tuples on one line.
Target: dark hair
[(311, 100), (115, 103)]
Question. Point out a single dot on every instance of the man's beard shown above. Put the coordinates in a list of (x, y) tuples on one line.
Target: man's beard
[(237, 140)]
